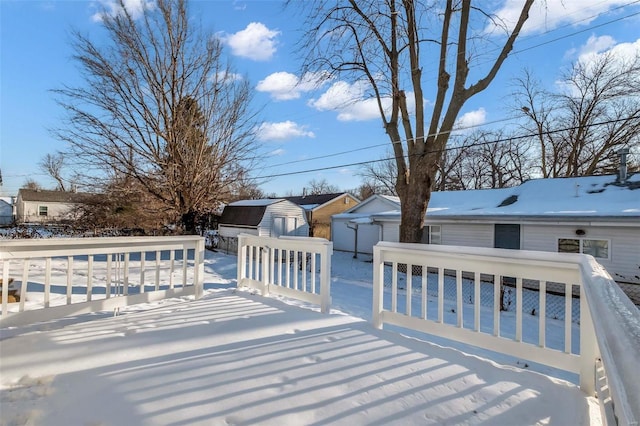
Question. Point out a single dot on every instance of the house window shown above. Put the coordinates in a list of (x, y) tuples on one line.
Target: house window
[(435, 234), (596, 248), (432, 235), (43, 211)]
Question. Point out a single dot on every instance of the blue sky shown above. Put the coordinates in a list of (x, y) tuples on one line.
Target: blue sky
[(300, 123)]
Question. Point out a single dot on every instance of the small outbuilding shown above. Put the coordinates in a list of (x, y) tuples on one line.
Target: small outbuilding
[(264, 217), (320, 208)]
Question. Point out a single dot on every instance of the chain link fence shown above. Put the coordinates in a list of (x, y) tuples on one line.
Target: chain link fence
[(555, 292)]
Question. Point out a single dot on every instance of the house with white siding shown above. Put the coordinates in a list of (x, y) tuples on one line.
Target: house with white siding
[(597, 215), (45, 206), (265, 218), (7, 214)]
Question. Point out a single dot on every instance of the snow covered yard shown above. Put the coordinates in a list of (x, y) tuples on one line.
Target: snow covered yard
[(238, 358)]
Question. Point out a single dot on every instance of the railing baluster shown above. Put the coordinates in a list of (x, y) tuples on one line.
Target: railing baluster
[(425, 275), (568, 296), (304, 271), (47, 281), (172, 259), (25, 283), (497, 303), (476, 301), (519, 309), (109, 272), (441, 295), (250, 262), (459, 318), (125, 280), (69, 278), (288, 266), (158, 256), (542, 340), (409, 289), (90, 278), (313, 273), (295, 269), (394, 287), (143, 255), (185, 264)]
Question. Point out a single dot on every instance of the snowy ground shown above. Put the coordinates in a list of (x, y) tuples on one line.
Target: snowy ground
[(237, 358)]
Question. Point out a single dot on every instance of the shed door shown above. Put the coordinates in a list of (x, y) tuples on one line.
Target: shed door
[(292, 225), (277, 228), (507, 236)]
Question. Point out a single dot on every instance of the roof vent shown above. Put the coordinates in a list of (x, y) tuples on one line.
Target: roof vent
[(508, 201), (622, 169)]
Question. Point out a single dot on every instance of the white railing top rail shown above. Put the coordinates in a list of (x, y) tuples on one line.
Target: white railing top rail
[(616, 320), (308, 244), (617, 327), (49, 247)]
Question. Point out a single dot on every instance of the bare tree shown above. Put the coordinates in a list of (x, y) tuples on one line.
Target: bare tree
[(31, 184), (381, 175), (489, 160), (321, 186), (53, 164), (390, 44), (596, 113), (161, 108)]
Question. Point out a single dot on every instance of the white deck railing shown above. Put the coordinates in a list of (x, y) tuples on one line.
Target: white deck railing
[(611, 345), (296, 267), (71, 276)]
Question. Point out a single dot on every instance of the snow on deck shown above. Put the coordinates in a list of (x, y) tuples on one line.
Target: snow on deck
[(235, 358)]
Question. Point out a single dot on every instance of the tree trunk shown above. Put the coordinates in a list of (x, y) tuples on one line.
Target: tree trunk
[(189, 222), (414, 200)]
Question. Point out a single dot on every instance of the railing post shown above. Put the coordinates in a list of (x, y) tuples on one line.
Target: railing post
[(198, 268), (325, 278), (588, 347), (242, 257), (378, 274)]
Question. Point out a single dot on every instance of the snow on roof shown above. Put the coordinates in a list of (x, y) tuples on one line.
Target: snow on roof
[(580, 196), (588, 196), (255, 203)]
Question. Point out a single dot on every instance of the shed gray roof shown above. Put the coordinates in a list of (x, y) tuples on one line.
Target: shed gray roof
[(316, 199), (242, 215), (48, 196)]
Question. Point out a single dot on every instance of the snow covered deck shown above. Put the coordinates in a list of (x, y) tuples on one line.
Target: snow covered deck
[(236, 358)]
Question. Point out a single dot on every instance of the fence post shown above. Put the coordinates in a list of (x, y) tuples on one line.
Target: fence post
[(378, 275), (325, 277)]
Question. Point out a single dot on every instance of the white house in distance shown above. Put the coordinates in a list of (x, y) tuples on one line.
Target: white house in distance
[(596, 215), (44, 206), (6, 210), (265, 217)]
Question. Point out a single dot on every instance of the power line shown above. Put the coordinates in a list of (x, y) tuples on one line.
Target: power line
[(513, 53), (511, 138)]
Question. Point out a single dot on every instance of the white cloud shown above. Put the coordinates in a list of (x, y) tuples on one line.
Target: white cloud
[(471, 119), (277, 152), (112, 8), (352, 102), (283, 86), (349, 100), (255, 42), (282, 131), (547, 15), (595, 47)]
